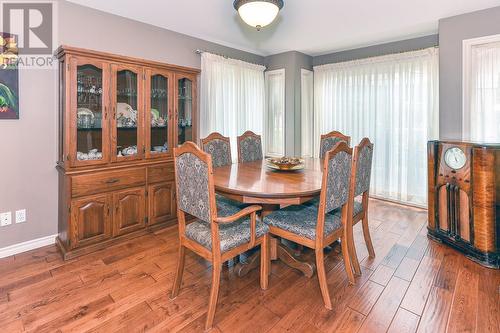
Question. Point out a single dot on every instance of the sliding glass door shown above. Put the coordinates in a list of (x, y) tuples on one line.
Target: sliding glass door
[(393, 100)]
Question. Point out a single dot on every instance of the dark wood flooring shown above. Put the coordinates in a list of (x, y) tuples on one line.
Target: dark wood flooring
[(413, 285)]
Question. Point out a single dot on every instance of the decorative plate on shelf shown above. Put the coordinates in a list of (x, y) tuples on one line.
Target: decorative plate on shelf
[(285, 163)]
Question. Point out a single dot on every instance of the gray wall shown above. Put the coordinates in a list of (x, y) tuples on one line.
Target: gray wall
[(452, 31), (28, 178), (292, 62)]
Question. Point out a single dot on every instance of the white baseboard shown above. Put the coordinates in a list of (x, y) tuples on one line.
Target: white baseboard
[(26, 246)]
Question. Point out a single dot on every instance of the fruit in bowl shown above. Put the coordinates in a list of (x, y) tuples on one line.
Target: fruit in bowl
[(285, 163)]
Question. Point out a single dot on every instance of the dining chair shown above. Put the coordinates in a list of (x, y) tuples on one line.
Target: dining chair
[(249, 147), (359, 187), (329, 140), (217, 234), (317, 226), (219, 147)]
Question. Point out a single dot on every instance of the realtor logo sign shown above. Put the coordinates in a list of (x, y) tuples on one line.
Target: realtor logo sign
[(33, 24)]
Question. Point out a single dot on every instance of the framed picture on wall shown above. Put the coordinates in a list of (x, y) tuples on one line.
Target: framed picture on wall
[(9, 77)]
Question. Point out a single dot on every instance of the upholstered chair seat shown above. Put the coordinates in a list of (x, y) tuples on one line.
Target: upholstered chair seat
[(231, 235), (302, 219), (358, 205)]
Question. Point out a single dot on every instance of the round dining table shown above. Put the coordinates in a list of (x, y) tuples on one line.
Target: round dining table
[(256, 183)]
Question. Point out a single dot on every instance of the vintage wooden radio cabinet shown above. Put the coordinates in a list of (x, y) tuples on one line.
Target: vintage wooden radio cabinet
[(119, 120), (464, 198)]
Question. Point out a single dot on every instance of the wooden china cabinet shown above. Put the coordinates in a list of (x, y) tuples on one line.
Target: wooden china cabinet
[(119, 120)]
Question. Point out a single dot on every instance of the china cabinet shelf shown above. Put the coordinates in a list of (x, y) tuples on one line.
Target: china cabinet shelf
[(90, 129), (118, 196)]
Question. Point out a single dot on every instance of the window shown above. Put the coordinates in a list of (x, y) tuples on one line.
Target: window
[(481, 78), (392, 100), (275, 115), (232, 98), (306, 113)]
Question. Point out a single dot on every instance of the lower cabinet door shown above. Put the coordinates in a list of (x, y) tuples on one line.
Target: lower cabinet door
[(90, 220), (129, 210), (162, 206)]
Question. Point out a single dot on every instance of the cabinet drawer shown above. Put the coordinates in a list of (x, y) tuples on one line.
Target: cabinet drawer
[(106, 181), (161, 173)]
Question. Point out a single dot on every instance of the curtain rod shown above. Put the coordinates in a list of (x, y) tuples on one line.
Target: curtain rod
[(199, 51), (376, 56)]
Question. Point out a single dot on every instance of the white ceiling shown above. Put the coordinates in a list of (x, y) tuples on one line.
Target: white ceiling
[(310, 26)]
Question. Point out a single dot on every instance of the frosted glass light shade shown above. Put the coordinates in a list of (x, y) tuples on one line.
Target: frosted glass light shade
[(258, 13)]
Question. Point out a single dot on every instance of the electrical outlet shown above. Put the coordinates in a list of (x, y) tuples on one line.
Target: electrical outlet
[(5, 219), (21, 216)]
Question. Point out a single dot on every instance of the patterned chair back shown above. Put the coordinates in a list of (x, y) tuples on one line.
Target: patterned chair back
[(336, 179), (328, 141), (363, 155), (249, 147), (195, 191), (219, 147)]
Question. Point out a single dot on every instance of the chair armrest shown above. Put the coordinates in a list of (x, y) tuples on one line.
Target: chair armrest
[(244, 212)]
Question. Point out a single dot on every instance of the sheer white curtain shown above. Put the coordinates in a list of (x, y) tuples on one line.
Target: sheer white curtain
[(307, 112), (393, 100), (482, 116), (232, 98), (275, 115)]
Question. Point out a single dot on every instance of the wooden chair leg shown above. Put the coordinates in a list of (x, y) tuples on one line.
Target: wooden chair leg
[(352, 253), (180, 270), (354, 257), (320, 266), (264, 263), (347, 259), (368, 238), (214, 294)]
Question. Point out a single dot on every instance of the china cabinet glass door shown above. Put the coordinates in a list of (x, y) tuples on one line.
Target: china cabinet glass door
[(89, 112), (185, 109), (157, 114), (127, 113)]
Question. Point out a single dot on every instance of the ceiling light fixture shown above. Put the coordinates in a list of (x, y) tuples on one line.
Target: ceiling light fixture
[(258, 13)]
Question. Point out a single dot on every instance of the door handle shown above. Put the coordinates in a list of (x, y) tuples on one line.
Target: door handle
[(112, 181)]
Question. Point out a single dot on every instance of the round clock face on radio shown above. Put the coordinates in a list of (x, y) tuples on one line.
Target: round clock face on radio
[(455, 158)]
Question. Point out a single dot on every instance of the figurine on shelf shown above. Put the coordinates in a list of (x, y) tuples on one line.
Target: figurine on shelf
[(132, 150), (93, 154), (126, 115), (161, 122)]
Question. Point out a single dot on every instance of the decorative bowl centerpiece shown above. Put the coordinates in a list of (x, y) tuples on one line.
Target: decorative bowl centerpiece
[(285, 163)]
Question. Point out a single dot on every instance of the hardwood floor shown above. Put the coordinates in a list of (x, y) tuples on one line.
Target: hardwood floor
[(412, 285)]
